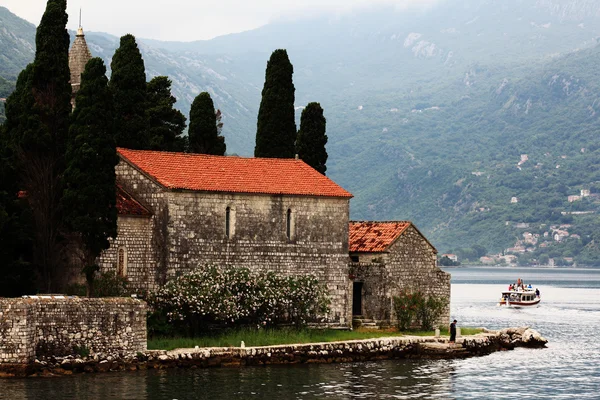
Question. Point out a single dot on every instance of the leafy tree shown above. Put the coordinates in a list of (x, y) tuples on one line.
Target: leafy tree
[(37, 125), (205, 125), (165, 123), (128, 85), (90, 199), (16, 274), (276, 125), (311, 140)]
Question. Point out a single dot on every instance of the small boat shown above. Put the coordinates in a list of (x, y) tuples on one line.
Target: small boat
[(520, 298)]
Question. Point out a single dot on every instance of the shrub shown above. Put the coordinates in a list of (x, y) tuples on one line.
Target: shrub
[(405, 305), (109, 284), (210, 296), (414, 308)]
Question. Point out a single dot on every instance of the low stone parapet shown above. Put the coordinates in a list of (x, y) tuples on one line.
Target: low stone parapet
[(404, 347), (34, 327)]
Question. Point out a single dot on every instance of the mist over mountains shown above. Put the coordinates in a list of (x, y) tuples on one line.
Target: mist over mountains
[(429, 112)]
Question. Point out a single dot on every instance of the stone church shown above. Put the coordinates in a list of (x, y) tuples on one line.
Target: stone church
[(178, 211)]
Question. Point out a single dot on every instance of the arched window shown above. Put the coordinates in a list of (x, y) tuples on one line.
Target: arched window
[(228, 222), (122, 262), (288, 224)]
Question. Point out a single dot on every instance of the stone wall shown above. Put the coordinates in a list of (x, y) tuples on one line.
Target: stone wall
[(40, 326), (409, 264), (188, 229), (133, 243), (258, 239)]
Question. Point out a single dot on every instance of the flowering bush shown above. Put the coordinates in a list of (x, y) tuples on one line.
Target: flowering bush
[(236, 296), (415, 308), (406, 306)]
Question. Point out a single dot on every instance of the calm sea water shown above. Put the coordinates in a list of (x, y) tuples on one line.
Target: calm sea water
[(569, 317)]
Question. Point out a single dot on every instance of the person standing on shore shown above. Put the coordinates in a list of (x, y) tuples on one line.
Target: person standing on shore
[(453, 331)]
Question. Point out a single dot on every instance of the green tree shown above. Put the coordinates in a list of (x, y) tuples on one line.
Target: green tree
[(16, 274), (37, 126), (89, 199), (311, 140), (204, 127), (165, 123), (276, 125), (128, 85)]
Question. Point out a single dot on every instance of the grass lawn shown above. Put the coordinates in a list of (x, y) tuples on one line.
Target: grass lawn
[(267, 337)]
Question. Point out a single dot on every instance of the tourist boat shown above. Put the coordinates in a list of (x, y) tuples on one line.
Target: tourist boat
[(520, 298)]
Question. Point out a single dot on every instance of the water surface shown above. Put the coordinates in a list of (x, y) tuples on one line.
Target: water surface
[(569, 316)]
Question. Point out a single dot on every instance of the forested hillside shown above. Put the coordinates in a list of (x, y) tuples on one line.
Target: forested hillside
[(474, 120)]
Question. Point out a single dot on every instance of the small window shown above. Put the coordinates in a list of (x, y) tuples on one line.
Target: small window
[(228, 222), (354, 258), (288, 224), (122, 262)]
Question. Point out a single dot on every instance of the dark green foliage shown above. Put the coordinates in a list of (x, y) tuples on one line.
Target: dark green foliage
[(276, 125), (37, 125), (50, 84), (89, 197), (416, 309), (311, 140), (165, 123), (128, 85), (16, 272), (203, 134)]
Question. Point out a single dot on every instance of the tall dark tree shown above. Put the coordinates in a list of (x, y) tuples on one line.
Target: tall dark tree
[(16, 273), (311, 140), (37, 123), (276, 125), (128, 85), (89, 197), (205, 125), (165, 123)]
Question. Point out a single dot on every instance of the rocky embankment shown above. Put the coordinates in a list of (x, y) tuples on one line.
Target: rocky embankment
[(405, 347)]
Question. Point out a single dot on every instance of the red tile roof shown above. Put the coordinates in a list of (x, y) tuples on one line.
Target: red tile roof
[(374, 237), (127, 205), (232, 174)]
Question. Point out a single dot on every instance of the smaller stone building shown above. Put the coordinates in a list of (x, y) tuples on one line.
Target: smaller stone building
[(387, 258)]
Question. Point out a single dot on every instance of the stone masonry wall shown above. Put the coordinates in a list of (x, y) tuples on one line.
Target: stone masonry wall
[(258, 237), (134, 238), (187, 229), (410, 264), (40, 326)]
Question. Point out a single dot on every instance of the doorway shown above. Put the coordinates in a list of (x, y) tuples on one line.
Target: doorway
[(357, 289)]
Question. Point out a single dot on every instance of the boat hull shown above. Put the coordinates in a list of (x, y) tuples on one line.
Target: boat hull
[(519, 304)]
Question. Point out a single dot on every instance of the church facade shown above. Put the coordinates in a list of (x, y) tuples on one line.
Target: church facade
[(178, 211)]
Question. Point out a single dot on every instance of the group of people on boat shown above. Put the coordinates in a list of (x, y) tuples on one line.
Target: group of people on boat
[(519, 285)]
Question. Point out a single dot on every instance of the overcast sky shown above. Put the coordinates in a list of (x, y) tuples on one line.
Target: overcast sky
[(186, 20)]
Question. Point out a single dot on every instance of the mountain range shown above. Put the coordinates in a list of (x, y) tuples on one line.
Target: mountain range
[(476, 120)]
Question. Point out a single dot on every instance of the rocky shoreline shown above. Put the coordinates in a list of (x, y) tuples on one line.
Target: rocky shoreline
[(405, 347)]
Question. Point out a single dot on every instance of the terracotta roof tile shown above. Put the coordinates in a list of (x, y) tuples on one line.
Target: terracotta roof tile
[(374, 237), (127, 205), (232, 174)]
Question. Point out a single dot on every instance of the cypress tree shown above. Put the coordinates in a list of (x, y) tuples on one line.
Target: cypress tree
[(37, 125), (165, 123), (128, 85), (311, 141), (89, 198), (204, 127), (276, 125), (16, 274)]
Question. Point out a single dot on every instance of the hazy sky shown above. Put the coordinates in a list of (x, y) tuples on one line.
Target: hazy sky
[(187, 20)]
